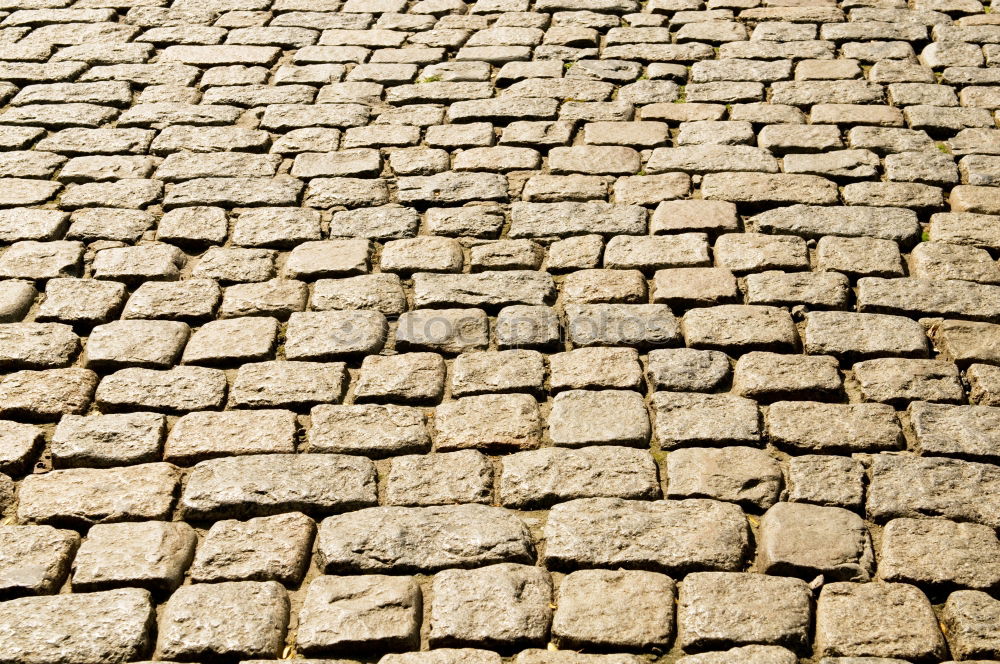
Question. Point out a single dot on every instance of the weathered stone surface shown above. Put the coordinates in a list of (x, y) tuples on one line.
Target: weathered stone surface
[(263, 484), (509, 606), (34, 560), (266, 548), (898, 381), (489, 289), (372, 430), (614, 609), (798, 539), (743, 475), (108, 440), (851, 336), (199, 436), (825, 480), (970, 618), (189, 625), (152, 554), (905, 486), (83, 496), (740, 328), (48, 394), (588, 417), (411, 539), (667, 536), (353, 613), (537, 478), (721, 609), (465, 476), (829, 428), (955, 431), (935, 552), (751, 655), (687, 370), (288, 384), (769, 376), (513, 423), (907, 627), (685, 419), (112, 626)]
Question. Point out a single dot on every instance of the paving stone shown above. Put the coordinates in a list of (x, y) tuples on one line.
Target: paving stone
[(511, 606), (817, 221), (866, 427), (849, 336), (945, 298), (412, 539), (657, 536), (907, 627), (19, 445), (686, 419), (46, 395), (514, 423), (502, 371), (266, 484), (739, 328), (612, 368), (444, 656), (751, 654), (80, 301), (443, 330), (111, 626), (583, 417), (936, 552), (198, 436), (152, 554), (368, 429), (954, 431), (83, 496), (721, 609), (188, 626), (35, 559), (260, 549), (176, 389), (107, 440), (549, 475), (537, 656), (288, 384), (465, 476), (969, 618), (912, 487), (687, 370), (897, 381), (123, 343), (360, 612), (769, 376), (825, 480), (798, 539), (642, 596), (742, 475)]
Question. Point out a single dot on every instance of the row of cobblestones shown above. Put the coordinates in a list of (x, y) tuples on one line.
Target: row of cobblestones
[(528, 331)]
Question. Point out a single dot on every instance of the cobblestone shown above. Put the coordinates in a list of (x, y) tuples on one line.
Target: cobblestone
[(568, 308)]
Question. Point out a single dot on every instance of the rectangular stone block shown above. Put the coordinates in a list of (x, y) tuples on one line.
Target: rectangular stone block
[(422, 539), (671, 536), (264, 484), (913, 487), (84, 496), (113, 626)]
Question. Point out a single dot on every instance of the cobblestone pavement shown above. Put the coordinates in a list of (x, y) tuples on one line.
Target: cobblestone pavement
[(557, 331)]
